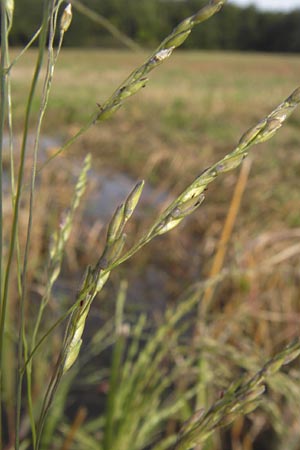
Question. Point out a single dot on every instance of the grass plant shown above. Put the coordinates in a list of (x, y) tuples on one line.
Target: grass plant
[(156, 378)]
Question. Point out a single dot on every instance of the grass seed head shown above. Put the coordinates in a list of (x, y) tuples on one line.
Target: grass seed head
[(207, 11), (9, 7), (102, 279), (178, 39), (295, 96), (131, 89), (185, 25), (249, 136), (116, 225), (133, 199), (66, 18), (167, 224)]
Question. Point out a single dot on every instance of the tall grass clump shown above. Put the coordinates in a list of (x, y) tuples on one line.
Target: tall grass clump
[(161, 391)]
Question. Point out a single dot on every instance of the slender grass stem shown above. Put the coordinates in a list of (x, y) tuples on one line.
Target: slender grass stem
[(44, 102), (10, 346), (48, 398), (115, 368), (70, 141), (24, 49), (22, 337), (3, 305), (12, 175)]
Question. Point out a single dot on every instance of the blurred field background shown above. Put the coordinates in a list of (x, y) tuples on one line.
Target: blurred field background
[(193, 111)]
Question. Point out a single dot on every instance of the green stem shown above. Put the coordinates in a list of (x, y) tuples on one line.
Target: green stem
[(115, 366), (27, 46), (44, 103), (38, 67), (68, 143), (3, 306)]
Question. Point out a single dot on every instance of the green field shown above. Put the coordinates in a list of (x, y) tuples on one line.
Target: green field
[(193, 111)]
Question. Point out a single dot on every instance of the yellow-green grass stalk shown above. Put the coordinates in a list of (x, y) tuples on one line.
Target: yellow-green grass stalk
[(56, 253), (4, 92), (93, 282), (49, 8), (117, 357), (139, 77), (51, 13), (22, 340), (192, 197), (6, 103), (241, 398)]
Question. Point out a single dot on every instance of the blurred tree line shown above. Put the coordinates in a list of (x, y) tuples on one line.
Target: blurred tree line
[(149, 21)]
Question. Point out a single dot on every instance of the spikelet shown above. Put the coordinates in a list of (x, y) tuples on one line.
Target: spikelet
[(66, 18), (10, 7)]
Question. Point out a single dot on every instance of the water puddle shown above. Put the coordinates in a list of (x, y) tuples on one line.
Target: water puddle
[(109, 187)]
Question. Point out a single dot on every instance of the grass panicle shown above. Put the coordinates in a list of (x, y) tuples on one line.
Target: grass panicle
[(139, 77), (193, 196), (241, 398)]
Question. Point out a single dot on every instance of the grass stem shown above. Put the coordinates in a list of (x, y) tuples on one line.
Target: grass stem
[(4, 91), (22, 337)]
